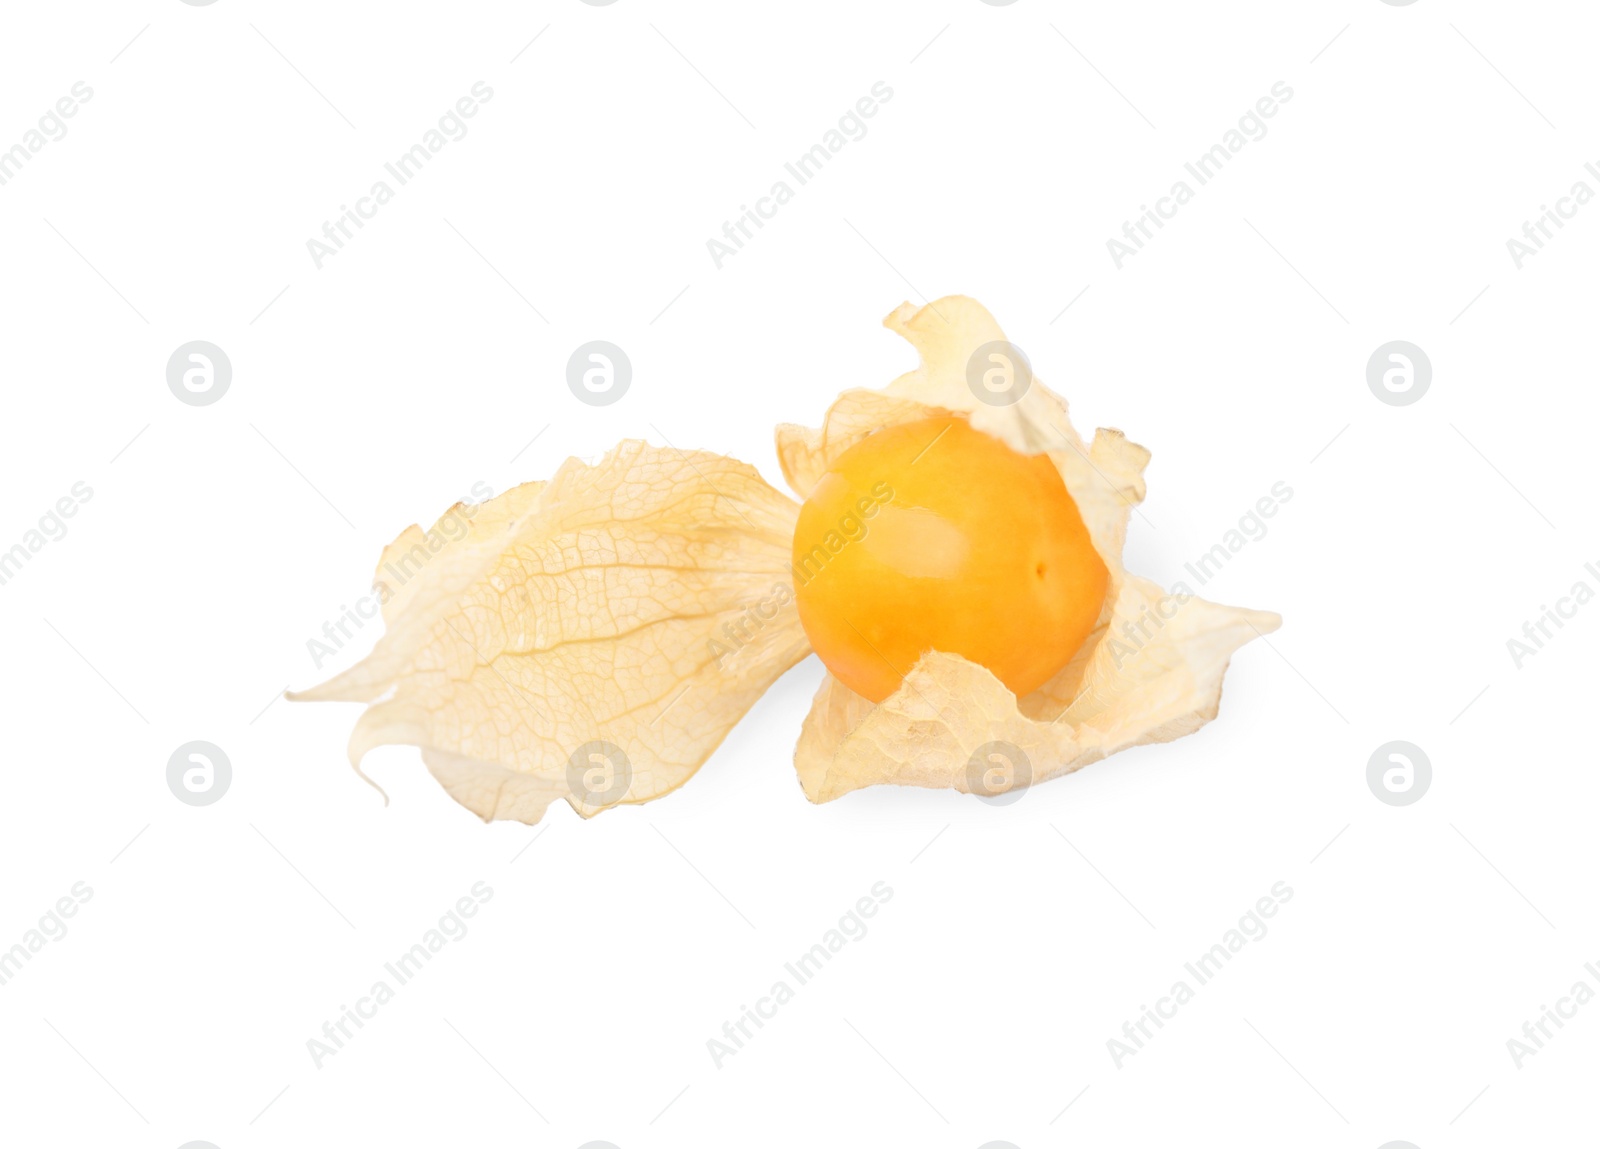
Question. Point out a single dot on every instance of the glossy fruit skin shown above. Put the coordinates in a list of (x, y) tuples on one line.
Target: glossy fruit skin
[(934, 536)]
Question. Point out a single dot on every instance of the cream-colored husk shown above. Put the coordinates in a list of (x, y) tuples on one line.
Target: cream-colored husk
[(575, 611), (1123, 688)]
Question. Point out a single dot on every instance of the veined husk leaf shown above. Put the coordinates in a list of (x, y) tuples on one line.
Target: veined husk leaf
[(584, 609), (1122, 688)]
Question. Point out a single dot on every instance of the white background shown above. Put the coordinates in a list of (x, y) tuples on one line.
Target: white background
[(423, 358)]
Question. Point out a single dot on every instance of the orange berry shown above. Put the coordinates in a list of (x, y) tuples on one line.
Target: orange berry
[(934, 536)]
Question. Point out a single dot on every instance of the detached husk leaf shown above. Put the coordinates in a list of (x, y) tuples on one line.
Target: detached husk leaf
[(576, 611)]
